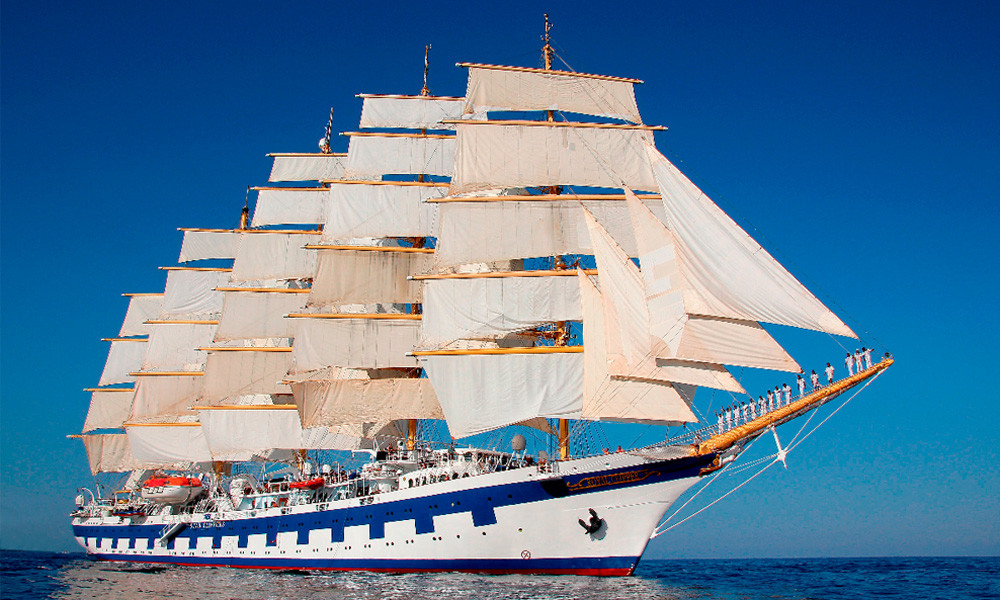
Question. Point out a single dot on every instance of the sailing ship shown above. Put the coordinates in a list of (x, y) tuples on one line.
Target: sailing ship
[(306, 391)]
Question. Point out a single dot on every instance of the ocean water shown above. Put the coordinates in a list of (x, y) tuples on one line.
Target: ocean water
[(32, 575)]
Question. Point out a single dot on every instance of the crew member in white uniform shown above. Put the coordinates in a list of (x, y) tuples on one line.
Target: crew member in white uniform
[(719, 419), (829, 372), (849, 363), (859, 360), (802, 385), (788, 393), (814, 378), (770, 398), (868, 357)]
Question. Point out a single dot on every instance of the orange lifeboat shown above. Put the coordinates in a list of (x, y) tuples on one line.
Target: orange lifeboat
[(310, 484), (171, 489)]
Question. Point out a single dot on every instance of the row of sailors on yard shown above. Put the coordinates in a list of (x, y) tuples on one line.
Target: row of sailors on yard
[(744, 412)]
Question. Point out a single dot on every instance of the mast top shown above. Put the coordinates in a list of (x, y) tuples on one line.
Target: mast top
[(547, 51), (324, 142), (426, 91)]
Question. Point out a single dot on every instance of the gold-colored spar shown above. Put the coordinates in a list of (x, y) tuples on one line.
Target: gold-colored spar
[(288, 189), (132, 294), (219, 269), (571, 124), (265, 290), (724, 441), (179, 322), (548, 72), (125, 339), (373, 316), (406, 97), (276, 231), (305, 154), (246, 349), (488, 351), (118, 389), (499, 274), (381, 182), (544, 198), (371, 248), (248, 407), (166, 373), (439, 136), (184, 424)]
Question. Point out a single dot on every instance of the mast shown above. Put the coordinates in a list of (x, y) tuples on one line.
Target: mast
[(562, 331)]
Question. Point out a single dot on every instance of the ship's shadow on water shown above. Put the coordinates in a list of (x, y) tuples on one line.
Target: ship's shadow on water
[(32, 575)]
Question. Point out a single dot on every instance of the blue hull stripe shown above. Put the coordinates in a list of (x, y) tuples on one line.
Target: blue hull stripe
[(591, 565), (480, 502)]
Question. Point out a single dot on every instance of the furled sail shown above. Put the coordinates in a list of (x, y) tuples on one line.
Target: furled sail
[(141, 308), (307, 167), (504, 154), (290, 206), (124, 357), (204, 244), (733, 276), (409, 112), (109, 453), (372, 155), (496, 304), (259, 313), (274, 255), (493, 88), (507, 388), (388, 209), (108, 408)]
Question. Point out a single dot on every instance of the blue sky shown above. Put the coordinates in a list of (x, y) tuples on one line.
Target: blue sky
[(856, 141)]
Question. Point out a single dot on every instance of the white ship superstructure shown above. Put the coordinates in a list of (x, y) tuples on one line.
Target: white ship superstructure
[(532, 275)]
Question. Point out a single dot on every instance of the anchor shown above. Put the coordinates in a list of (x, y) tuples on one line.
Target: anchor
[(594, 524)]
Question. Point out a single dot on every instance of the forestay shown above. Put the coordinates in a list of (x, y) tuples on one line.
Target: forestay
[(109, 453), (410, 112), (124, 357), (108, 409), (204, 245), (369, 210), (371, 156), (367, 276), (493, 155), (274, 256), (522, 90), (258, 315), (169, 445), (487, 307), (354, 342), (230, 373), (190, 294), (290, 206), (141, 308), (307, 167), (483, 392), (733, 275)]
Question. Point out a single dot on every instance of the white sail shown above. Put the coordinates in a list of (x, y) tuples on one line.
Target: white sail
[(409, 112), (164, 396), (108, 409), (290, 206), (733, 275), (493, 155), (230, 373), (307, 167), (258, 315), (499, 89), (169, 445), (622, 399), (241, 432), (275, 255), (109, 453), (354, 342), (124, 357), (141, 308), (367, 276), (358, 210), (484, 392), (372, 155), (329, 401), (174, 346), (208, 244), (527, 229), (190, 294), (487, 307)]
